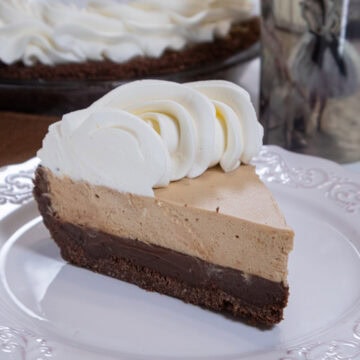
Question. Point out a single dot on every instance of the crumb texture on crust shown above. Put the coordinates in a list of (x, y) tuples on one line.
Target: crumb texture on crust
[(253, 299), (210, 297)]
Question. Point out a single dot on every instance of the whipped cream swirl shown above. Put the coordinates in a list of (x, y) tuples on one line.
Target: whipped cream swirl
[(53, 32), (144, 134)]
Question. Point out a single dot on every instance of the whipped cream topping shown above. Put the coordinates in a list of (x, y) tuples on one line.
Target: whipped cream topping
[(53, 32), (144, 134)]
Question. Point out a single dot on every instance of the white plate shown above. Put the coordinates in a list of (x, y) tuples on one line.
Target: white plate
[(51, 310)]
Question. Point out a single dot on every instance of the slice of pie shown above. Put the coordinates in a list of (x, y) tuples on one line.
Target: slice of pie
[(211, 238)]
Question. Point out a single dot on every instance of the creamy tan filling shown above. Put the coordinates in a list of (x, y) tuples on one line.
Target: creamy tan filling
[(226, 219)]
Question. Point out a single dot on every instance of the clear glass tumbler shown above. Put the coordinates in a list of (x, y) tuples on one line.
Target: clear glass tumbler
[(310, 76)]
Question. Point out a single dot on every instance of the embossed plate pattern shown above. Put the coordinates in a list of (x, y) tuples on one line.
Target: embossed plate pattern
[(51, 310)]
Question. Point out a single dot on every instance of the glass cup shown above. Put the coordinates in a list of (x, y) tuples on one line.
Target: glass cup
[(310, 77)]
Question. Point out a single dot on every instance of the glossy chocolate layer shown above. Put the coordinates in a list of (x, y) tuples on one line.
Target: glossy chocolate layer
[(188, 269), (154, 268)]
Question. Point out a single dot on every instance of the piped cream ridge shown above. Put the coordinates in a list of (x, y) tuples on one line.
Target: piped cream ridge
[(53, 32), (144, 134)]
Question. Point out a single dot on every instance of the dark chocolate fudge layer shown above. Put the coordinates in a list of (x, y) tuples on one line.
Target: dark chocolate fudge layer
[(241, 37), (252, 298)]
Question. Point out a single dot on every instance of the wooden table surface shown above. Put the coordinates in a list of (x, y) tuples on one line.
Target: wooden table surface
[(21, 135)]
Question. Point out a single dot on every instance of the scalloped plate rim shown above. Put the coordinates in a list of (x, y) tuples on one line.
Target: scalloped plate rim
[(295, 351)]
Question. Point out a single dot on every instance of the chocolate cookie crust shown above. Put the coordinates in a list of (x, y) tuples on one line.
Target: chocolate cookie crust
[(241, 37), (251, 298)]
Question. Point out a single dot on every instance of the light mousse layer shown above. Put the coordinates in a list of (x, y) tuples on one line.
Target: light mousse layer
[(227, 219)]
